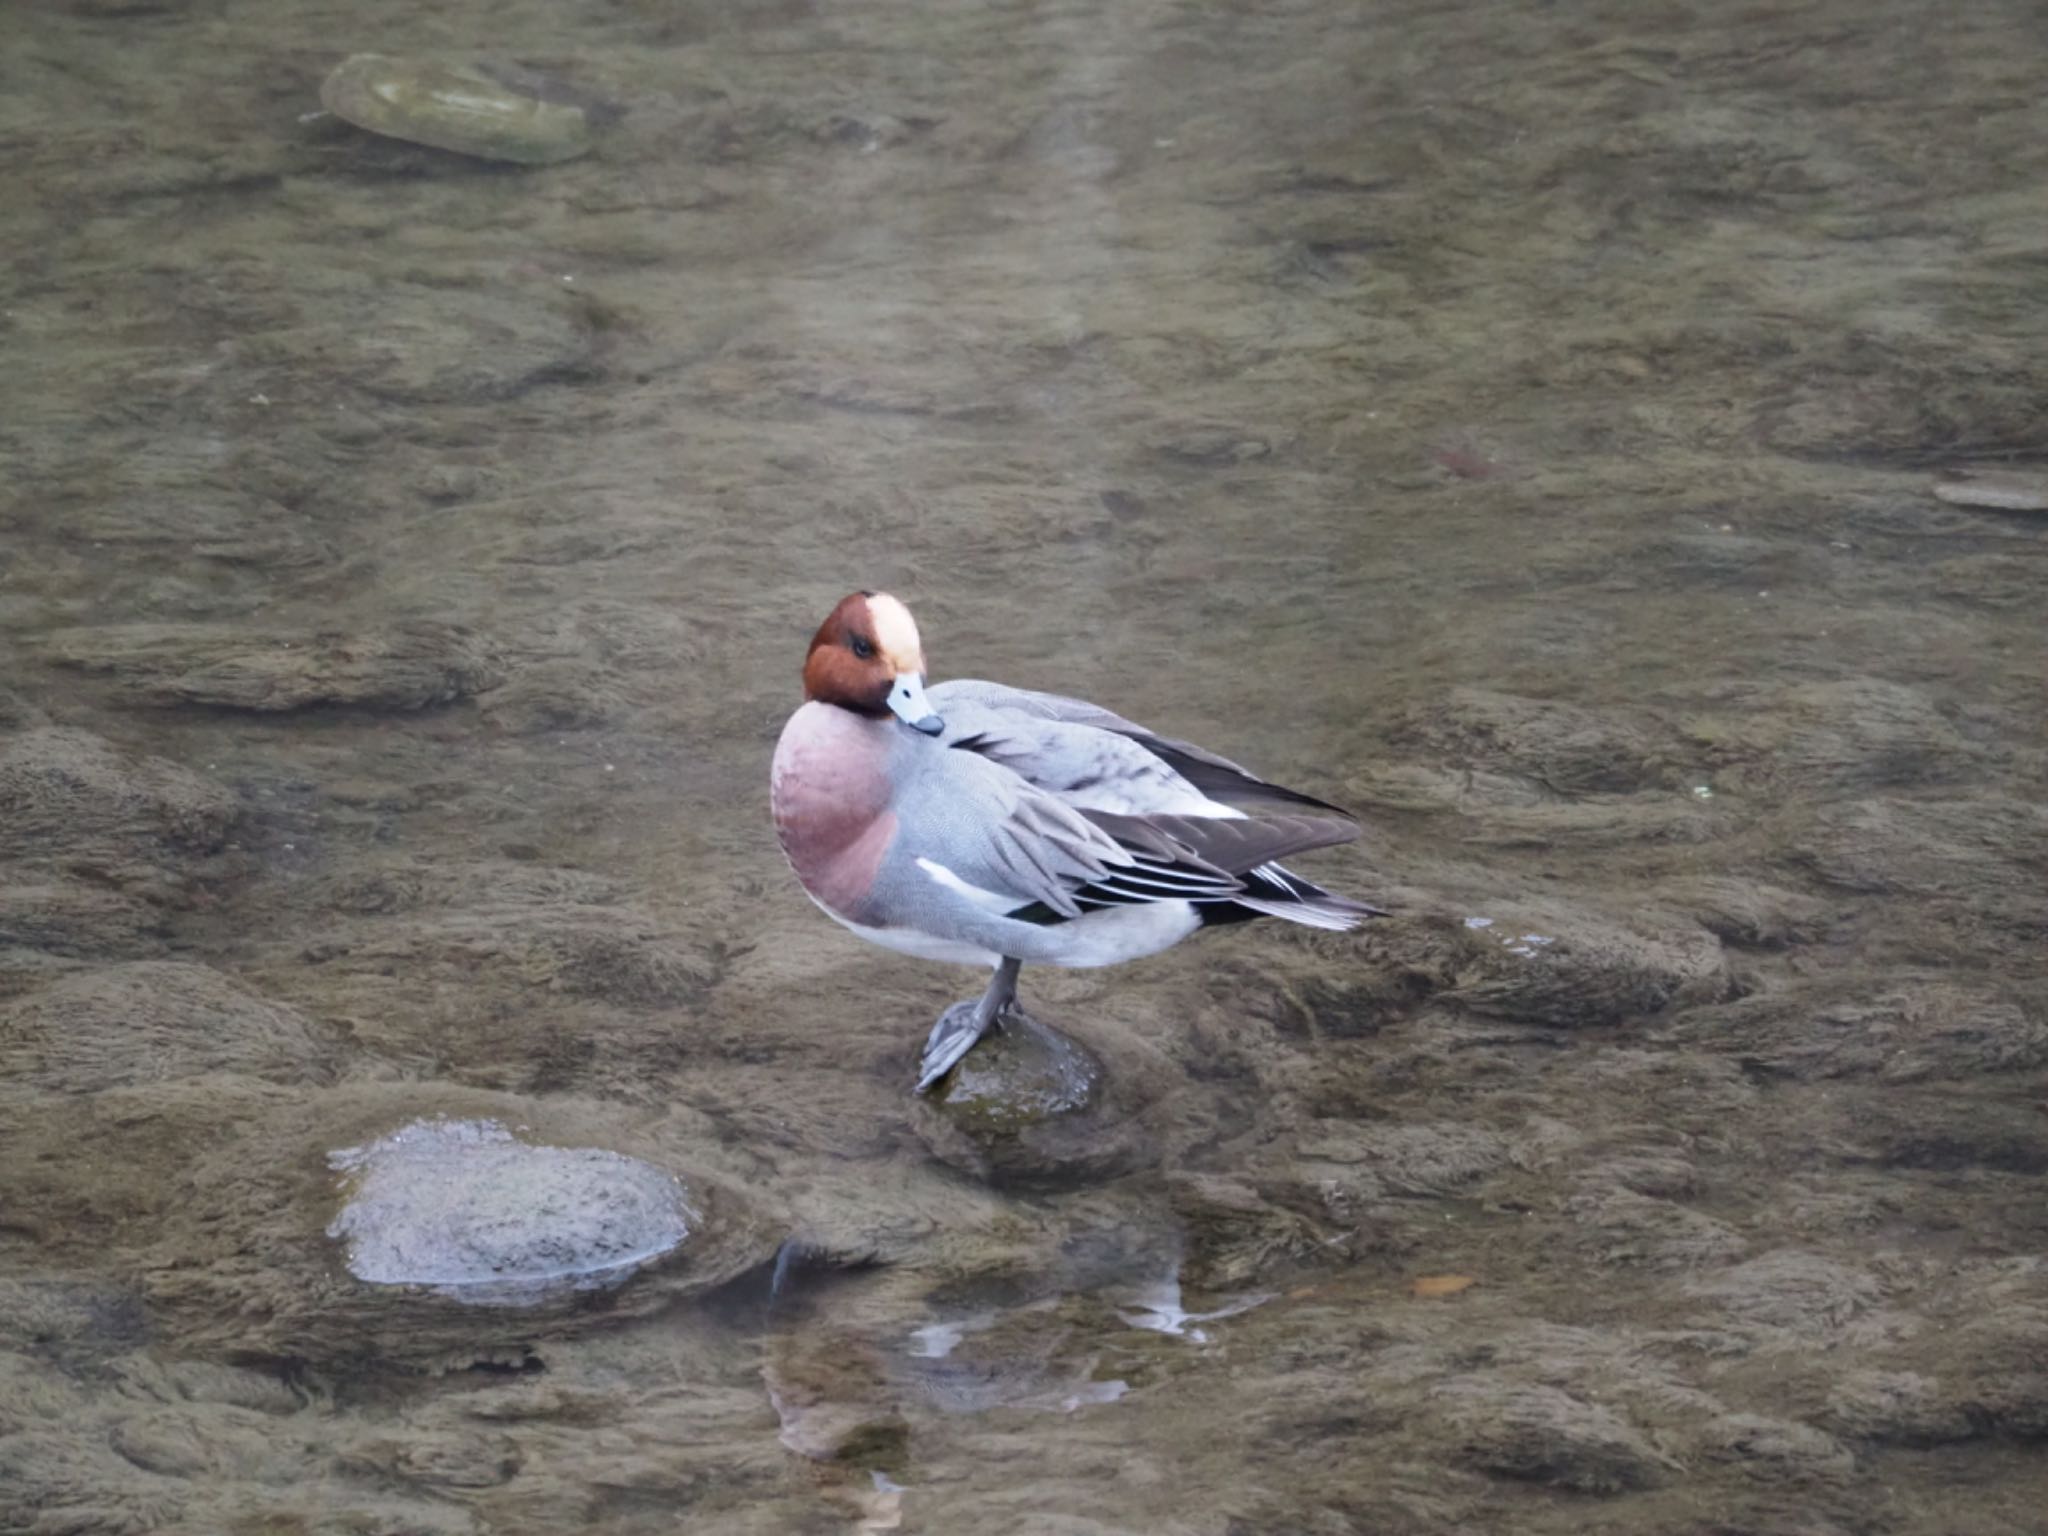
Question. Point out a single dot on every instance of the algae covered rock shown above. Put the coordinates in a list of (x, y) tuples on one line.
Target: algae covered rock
[(492, 113), (415, 664), (72, 798), (153, 1021), (1030, 1105), (461, 1227)]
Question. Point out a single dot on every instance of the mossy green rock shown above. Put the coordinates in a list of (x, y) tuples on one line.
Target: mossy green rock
[(1020, 1076), (491, 114), (1029, 1105)]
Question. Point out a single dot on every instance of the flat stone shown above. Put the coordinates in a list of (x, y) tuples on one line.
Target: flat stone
[(468, 1210), (492, 115)]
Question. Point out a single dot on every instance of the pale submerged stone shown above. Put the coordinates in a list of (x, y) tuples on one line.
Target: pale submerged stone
[(459, 107)]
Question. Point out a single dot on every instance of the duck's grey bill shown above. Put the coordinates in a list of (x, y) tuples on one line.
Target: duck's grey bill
[(908, 703)]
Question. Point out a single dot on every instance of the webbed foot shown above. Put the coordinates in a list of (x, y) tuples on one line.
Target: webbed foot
[(959, 1027), (964, 1023)]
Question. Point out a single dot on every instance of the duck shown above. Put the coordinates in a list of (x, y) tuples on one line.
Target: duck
[(980, 824)]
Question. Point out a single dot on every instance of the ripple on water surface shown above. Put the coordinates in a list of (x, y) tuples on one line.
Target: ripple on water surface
[(466, 1208)]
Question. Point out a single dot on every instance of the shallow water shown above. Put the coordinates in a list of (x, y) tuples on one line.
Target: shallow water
[(1519, 423)]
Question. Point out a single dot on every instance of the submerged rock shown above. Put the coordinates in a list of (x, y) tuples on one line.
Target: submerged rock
[(493, 115), (121, 1026), (1844, 734), (1746, 912), (1029, 1105), (1778, 1450), (71, 917), (1791, 1290), (556, 696), (1553, 963), (1235, 1234), (1543, 1434), (71, 798), (1994, 491), (618, 952), (1623, 1227), (1562, 748), (414, 665), (1920, 1030), (1982, 856), (468, 1210), (1900, 1407), (835, 1399), (228, 1234)]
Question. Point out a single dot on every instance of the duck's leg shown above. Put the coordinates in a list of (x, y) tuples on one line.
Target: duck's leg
[(964, 1023)]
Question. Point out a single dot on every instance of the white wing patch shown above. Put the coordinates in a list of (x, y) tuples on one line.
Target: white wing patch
[(988, 901)]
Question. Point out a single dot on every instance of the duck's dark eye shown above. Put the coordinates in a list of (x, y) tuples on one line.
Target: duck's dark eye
[(862, 647)]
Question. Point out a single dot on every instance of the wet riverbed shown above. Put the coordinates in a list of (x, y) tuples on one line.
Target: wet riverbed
[(1518, 423)]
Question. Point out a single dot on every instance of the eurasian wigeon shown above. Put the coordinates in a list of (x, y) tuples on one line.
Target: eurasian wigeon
[(981, 824)]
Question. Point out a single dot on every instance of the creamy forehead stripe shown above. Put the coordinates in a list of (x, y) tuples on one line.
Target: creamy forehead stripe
[(896, 633)]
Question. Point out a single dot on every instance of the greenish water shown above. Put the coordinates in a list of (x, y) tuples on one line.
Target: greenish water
[(1519, 423)]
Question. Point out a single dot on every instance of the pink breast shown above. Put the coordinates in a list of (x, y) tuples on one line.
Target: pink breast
[(830, 791)]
